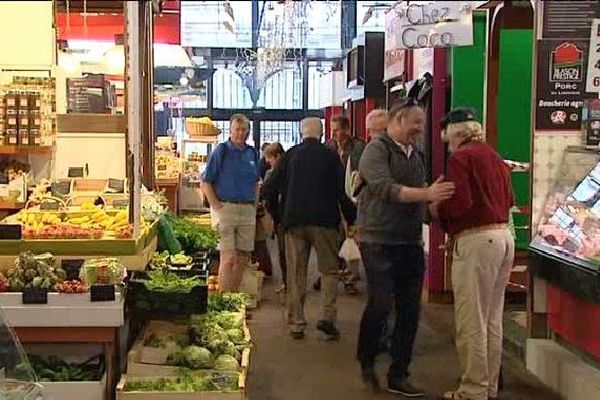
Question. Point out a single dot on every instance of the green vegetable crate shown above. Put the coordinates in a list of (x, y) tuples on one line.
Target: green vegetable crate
[(145, 388), (164, 304)]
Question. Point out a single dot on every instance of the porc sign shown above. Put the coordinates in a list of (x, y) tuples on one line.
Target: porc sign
[(430, 24)]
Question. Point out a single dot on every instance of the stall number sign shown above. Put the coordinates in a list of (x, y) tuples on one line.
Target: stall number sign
[(593, 71), (437, 24)]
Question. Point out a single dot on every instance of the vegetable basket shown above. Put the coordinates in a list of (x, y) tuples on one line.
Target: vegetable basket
[(147, 304)]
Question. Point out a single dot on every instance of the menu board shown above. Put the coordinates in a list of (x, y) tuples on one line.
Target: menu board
[(568, 19)]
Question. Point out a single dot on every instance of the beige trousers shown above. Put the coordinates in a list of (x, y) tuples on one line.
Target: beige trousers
[(480, 272), (298, 243)]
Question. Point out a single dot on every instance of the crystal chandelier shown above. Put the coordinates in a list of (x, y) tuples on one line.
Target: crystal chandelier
[(282, 33)]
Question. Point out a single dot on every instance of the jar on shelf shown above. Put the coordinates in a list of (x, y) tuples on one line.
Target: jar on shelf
[(12, 137)]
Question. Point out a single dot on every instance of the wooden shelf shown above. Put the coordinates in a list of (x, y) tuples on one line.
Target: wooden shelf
[(12, 150), (11, 205)]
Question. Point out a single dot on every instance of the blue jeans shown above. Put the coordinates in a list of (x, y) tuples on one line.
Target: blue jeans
[(394, 274)]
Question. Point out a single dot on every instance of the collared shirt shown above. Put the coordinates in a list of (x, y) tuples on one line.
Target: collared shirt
[(233, 172), (483, 193), (407, 149)]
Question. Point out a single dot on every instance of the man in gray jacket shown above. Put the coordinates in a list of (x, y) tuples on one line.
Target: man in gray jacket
[(392, 207)]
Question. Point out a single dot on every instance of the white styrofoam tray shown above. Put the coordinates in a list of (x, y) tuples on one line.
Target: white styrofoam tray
[(63, 310)]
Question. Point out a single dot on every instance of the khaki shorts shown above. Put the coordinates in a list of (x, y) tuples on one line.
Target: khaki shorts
[(237, 226)]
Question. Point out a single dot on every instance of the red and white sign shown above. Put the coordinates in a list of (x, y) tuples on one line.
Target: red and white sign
[(593, 70)]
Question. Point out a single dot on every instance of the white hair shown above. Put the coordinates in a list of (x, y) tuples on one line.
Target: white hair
[(312, 128), (373, 115), (467, 130)]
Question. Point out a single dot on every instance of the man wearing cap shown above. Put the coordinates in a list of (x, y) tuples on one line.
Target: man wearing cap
[(476, 218)]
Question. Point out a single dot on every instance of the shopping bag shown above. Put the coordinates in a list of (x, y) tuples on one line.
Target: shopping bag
[(349, 251)]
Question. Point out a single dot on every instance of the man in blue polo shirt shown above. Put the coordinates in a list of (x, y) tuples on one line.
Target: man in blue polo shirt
[(230, 183)]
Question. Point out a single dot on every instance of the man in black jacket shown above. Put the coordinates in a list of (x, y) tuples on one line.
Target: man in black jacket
[(309, 184)]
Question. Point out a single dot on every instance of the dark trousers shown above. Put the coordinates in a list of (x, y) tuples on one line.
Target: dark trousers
[(394, 273)]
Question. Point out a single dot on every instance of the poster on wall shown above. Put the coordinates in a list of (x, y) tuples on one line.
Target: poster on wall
[(394, 63), (560, 92), (591, 122), (568, 19), (593, 68)]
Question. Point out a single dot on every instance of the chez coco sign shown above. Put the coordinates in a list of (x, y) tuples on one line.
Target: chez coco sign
[(430, 24)]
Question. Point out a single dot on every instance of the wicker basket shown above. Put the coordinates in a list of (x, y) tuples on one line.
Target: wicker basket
[(195, 129)]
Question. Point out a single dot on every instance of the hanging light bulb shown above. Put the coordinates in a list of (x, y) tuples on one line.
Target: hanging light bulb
[(167, 55), (113, 61), (68, 62)]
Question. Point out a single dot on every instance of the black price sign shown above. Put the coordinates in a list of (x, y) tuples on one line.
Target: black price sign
[(76, 172), (102, 293), (35, 296), (72, 268), (10, 232), (4, 177), (49, 205), (116, 185), (60, 189)]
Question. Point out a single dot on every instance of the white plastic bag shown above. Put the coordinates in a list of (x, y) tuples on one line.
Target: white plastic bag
[(349, 251)]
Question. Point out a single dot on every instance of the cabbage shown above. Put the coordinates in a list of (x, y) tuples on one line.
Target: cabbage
[(235, 335), (226, 362), (197, 357)]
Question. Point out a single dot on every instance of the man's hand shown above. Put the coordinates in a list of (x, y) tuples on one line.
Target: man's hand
[(440, 191)]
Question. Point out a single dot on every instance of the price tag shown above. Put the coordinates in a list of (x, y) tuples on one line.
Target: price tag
[(223, 381), (35, 296), (72, 268), (49, 205), (102, 293), (76, 172), (10, 232), (60, 189), (116, 185), (593, 69)]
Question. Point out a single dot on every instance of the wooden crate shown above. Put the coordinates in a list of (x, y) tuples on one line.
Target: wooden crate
[(78, 390), (239, 394)]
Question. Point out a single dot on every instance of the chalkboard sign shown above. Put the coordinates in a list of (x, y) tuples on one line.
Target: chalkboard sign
[(60, 189), (116, 185), (102, 293), (50, 205), (10, 231), (76, 172), (3, 177), (120, 204), (35, 296), (72, 268)]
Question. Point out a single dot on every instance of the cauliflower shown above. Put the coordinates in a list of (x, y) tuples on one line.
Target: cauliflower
[(226, 362), (197, 357)]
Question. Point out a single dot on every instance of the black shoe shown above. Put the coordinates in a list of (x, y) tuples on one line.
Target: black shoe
[(329, 331), (297, 335), (405, 389), (350, 288), (370, 381)]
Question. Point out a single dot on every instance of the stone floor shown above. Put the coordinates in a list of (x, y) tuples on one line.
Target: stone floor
[(283, 369)]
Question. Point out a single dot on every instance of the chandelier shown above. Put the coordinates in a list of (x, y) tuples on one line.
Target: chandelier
[(283, 29)]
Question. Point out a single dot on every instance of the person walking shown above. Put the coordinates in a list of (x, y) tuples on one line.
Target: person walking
[(230, 184), (392, 207), (483, 251), (309, 182), (376, 122), (274, 153)]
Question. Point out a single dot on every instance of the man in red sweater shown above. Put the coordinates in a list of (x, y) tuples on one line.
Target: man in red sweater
[(476, 219)]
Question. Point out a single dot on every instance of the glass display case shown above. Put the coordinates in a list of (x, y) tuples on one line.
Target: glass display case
[(569, 229)]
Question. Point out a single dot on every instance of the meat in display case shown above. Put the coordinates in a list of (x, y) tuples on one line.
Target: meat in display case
[(569, 229)]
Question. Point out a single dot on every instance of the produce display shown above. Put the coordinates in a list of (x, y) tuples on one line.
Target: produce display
[(35, 271), (102, 271), (161, 280), (186, 381), (72, 286), (192, 236), (153, 206), (232, 302), (90, 222), (3, 283), (54, 369), (213, 283)]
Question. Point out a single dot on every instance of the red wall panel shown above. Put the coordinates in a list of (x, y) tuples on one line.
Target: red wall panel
[(575, 320)]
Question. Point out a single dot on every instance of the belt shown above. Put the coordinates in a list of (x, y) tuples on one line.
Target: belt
[(479, 229), (237, 202)]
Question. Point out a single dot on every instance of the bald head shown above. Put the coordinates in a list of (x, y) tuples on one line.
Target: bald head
[(312, 128), (376, 122)]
